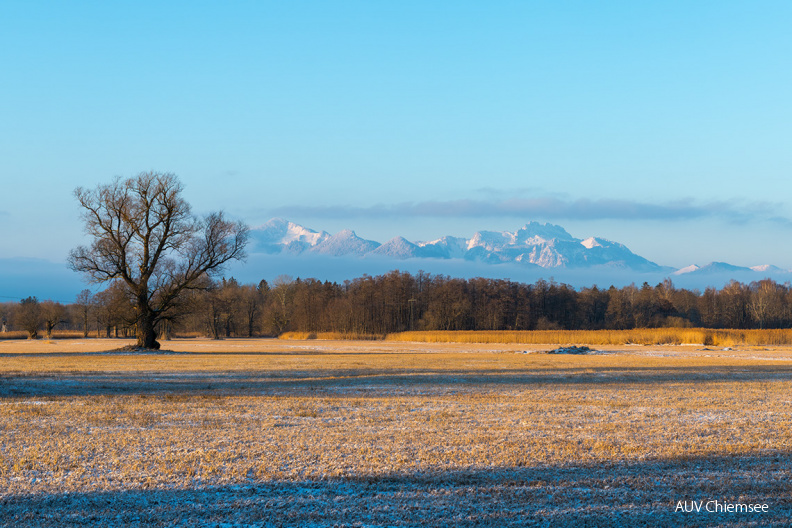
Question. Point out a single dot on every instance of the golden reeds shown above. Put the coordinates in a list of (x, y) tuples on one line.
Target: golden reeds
[(56, 334), (330, 335), (638, 336)]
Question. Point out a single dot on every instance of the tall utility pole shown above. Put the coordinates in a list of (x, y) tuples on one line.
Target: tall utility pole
[(412, 302)]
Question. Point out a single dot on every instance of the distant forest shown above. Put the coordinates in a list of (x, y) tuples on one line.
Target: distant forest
[(399, 301)]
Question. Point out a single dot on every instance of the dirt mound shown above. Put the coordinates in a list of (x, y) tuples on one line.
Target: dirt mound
[(134, 349), (571, 350)]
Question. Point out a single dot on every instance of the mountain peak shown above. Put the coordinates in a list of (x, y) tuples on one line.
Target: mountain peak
[(687, 269), (545, 231), (712, 268), (278, 233), (764, 268), (345, 242), (399, 248), (591, 242)]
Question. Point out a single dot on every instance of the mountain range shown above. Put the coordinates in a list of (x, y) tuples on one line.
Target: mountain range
[(535, 251), (534, 245)]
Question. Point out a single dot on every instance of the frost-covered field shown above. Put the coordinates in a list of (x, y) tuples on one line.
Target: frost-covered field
[(315, 433)]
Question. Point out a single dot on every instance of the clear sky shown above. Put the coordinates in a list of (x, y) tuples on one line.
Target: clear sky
[(666, 126)]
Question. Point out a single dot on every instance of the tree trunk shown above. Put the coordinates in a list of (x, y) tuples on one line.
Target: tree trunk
[(165, 331), (144, 326)]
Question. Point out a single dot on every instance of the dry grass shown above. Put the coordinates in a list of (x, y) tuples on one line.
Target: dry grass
[(524, 434), (640, 336)]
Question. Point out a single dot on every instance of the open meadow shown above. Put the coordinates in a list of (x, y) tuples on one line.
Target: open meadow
[(266, 432)]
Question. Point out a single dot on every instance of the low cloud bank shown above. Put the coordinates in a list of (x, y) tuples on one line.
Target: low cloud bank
[(549, 208), (23, 277), (338, 269), (44, 279)]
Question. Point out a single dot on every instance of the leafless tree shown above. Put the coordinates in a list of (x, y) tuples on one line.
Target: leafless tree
[(145, 235), (114, 309), (28, 316), (251, 299), (216, 309), (5, 315), (282, 294), (53, 314), (83, 304), (766, 302)]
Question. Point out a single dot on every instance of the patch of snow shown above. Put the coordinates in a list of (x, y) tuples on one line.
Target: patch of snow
[(687, 269), (591, 242), (765, 268)]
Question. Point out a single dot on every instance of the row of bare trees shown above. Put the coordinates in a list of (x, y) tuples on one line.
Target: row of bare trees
[(400, 301), (33, 316), (105, 314)]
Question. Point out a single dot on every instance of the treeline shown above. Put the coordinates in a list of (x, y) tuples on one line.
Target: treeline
[(399, 301)]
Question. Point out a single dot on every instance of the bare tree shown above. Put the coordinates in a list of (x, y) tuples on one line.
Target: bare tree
[(282, 295), (215, 309), (251, 299), (145, 235), (83, 304), (766, 302), (28, 316), (52, 313), (114, 309), (5, 316)]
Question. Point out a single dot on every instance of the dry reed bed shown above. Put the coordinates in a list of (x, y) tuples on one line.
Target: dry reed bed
[(335, 336), (56, 334), (376, 431), (641, 336)]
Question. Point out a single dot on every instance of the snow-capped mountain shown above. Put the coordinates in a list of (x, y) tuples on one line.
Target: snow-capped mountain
[(533, 245), (717, 267), (399, 248), (551, 246), (687, 269), (343, 243), (280, 235), (448, 247), (767, 268), (721, 273)]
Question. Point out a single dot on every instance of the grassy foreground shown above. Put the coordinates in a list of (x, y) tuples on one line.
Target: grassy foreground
[(272, 432)]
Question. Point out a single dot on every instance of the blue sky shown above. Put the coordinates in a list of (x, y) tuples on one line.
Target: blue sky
[(665, 126)]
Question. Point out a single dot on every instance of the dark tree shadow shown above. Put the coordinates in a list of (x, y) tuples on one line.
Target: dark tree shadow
[(634, 494), (364, 379)]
